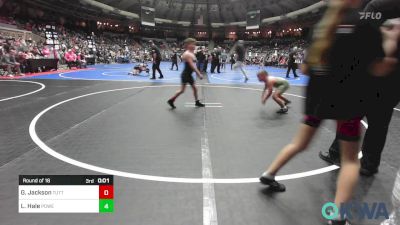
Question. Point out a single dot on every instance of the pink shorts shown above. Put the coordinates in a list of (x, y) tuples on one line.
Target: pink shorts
[(346, 130)]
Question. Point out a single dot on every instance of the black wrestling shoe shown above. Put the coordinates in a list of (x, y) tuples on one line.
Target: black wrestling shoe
[(368, 172), (199, 104), (273, 184), (329, 158), (161, 77), (338, 222), (153, 78), (171, 103), (283, 110)]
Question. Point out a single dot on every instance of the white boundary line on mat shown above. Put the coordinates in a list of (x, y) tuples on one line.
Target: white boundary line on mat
[(52, 152)]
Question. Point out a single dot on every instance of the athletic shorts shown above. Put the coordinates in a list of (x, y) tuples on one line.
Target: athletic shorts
[(187, 79), (283, 87), (346, 130)]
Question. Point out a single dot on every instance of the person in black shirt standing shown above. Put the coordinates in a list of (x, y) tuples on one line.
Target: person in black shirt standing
[(174, 59), (206, 61), (385, 95), (156, 55), (215, 61), (201, 58), (219, 52), (292, 64), (232, 61)]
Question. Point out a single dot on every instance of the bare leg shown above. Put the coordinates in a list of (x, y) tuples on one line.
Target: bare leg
[(278, 100), (283, 98), (349, 172), (299, 143), (179, 92), (196, 97)]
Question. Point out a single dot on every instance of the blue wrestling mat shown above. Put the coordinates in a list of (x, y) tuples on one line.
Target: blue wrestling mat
[(119, 72)]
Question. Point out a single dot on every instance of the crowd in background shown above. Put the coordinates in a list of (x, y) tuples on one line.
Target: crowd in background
[(75, 48)]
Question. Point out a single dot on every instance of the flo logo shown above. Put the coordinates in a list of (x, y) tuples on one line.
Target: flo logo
[(355, 210), (370, 15)]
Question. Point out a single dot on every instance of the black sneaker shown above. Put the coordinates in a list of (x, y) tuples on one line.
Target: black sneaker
[(199, 104), (171, 103), (338, 222), (368, 172), (329, 158), (153, 78), (161, 77), (273, 184)]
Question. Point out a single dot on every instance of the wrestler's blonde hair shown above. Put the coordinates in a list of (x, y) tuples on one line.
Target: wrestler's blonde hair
[(325, 32)]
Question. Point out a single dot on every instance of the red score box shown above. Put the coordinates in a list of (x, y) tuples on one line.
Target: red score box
[(106, 192)]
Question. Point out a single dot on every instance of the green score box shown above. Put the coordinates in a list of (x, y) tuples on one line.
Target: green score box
[(106, 205)]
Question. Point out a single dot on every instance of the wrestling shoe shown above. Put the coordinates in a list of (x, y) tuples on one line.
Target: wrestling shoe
[(199, 104), (273, 184), (367, 172), (171, 103), (329, 157), (283, 110)]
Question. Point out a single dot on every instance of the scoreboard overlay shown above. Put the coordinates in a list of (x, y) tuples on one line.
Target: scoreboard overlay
[(66, 194)]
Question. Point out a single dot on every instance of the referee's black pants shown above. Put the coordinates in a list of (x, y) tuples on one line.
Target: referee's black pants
[(205, 66), (213, 66), (292, 67), (156, 67), (378, 117), (174, 63)]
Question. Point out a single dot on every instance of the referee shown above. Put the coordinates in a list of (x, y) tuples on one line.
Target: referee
[(385, 95), (156, 55), (292, 64)]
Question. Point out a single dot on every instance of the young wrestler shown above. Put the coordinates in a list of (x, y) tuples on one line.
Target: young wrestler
[(139, 68), (281, 86), (190, 66)]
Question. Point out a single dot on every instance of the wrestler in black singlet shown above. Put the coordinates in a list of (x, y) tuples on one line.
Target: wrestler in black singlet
[(186, 75)]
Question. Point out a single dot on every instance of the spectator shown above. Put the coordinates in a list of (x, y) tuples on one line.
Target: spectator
[(70, 58)]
